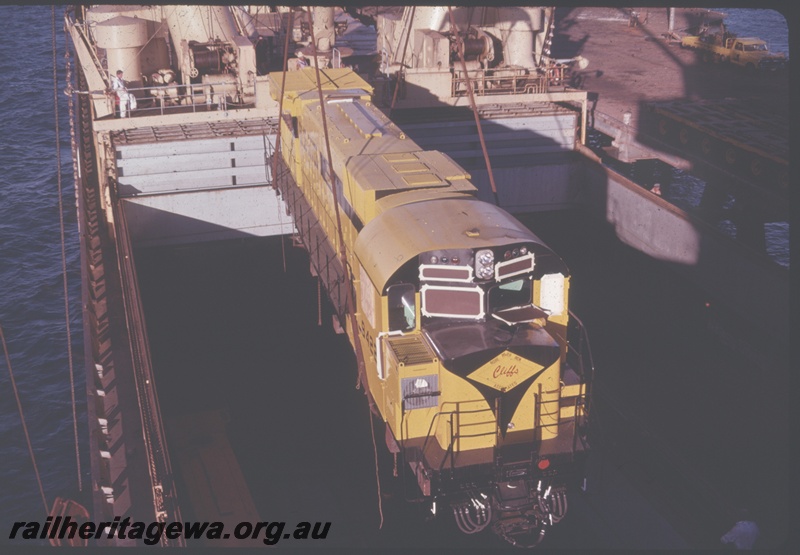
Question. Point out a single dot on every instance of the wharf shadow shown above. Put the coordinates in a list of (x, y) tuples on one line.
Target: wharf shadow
[(715, 282)]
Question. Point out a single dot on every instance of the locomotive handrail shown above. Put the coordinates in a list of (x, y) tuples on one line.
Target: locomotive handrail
[(584, 349), (452, 438), (584, 339)]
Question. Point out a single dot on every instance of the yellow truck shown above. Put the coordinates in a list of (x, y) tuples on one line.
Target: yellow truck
[(748, 52)]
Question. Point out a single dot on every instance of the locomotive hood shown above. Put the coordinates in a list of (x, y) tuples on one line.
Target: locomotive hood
[(401, 233)]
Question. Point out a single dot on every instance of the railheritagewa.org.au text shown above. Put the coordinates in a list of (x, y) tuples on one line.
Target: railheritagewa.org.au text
[(152, 533)]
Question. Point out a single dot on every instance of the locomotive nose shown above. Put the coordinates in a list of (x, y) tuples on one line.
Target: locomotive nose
[(506, 371)]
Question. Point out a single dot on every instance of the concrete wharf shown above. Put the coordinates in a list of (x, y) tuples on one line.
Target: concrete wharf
[(657, 100), (630, 65)]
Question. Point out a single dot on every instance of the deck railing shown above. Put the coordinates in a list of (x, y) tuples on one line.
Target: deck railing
[(158, 100), (510, 81)]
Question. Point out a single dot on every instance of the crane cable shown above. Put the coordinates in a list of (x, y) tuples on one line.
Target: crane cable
[(403, 59), (460, 48), (22, 419), (276, 153), (343, 255), (64, 257)]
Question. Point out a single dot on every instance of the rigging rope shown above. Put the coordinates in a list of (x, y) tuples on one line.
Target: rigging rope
[(403, 59), (342, 253), (276, 153), (22, 418), (64, 256), (460, 48)]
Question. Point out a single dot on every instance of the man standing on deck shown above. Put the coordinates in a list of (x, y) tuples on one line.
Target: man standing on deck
[(123, 96)]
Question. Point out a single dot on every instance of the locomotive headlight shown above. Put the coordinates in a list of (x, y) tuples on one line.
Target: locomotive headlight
[(484, 264)]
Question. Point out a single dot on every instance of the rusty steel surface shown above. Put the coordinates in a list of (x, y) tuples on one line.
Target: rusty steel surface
[(739, 122)]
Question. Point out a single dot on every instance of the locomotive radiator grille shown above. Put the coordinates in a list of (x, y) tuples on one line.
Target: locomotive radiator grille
[(410, 350)]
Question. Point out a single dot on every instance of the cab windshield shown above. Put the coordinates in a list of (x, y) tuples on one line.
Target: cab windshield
[(514, 293)]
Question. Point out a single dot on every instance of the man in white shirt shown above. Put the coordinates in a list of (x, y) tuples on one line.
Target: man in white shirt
[(118, 86)]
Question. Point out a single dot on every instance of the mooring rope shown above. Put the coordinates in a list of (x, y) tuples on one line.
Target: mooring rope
[(64, 257), (22, 419), (342, 253)]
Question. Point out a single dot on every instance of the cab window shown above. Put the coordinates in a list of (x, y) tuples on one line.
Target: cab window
[(402, 307), (514, 293)]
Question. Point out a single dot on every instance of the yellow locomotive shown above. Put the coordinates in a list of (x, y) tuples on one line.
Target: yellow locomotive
[(459, 311)]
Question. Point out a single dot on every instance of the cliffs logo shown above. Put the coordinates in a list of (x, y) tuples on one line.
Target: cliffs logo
[(505, 371)]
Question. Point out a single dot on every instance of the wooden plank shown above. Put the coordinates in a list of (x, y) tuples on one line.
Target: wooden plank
[(216, 489)]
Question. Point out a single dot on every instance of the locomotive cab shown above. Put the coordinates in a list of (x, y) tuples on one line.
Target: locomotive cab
[(471, 356)]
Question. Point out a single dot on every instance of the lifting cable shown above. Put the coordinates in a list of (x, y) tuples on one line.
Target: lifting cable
[(277, 151), (403, 59), (64, 257), (22, 419), (362, 377), (460, 47)]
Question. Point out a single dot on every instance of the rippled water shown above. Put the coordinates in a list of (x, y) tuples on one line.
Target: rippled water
[(769, 25), (31, 291), (32, 296)]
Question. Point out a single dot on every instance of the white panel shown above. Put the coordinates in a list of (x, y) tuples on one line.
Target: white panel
[(187, 162), (206, 216), (183, 146), (551, 291), (193, 180)]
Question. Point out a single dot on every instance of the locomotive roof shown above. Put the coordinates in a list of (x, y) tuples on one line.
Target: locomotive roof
[(393, 237), (305, 82)]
